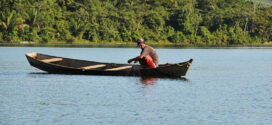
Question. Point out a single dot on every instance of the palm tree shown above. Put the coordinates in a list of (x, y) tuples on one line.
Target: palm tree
[(10, 23)]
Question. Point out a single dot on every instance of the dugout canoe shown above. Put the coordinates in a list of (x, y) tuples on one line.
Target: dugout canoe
[(61, 65)]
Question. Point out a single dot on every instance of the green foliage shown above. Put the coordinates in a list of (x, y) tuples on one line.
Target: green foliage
[(178, 37), (195, 22)]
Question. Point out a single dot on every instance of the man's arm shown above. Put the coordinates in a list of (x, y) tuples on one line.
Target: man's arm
[(136, 59)]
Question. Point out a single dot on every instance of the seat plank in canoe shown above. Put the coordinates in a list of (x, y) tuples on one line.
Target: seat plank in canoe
[(93, 66), (52, 60), (119, 68)]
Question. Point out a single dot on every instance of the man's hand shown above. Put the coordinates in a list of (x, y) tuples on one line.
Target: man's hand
[(130, 60), (136, 59)]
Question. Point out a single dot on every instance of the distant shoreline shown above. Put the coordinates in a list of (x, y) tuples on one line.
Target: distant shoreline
[(122, 45)]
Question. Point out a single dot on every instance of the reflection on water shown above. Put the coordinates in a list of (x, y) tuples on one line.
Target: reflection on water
[(153, 80), (143, 80), (148, 80), (38, 73)]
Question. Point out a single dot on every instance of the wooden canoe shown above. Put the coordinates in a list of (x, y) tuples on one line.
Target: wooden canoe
[(60, 65)]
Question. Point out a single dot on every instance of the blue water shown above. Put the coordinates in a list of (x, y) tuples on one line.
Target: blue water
[(223, 86)]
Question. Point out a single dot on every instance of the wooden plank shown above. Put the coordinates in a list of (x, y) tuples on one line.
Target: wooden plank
[(33, 55), (93, 66), (119, 68), (51, 60)]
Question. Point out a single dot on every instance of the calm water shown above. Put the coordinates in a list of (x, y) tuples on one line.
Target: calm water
[(223, 86)]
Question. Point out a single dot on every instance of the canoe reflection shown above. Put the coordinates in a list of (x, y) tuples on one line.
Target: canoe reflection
[(153, 80), (148, 80)]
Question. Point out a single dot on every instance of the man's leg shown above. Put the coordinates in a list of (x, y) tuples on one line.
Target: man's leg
[(148, 61)]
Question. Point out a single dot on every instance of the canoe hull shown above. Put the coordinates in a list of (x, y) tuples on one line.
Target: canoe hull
[(73, 66)]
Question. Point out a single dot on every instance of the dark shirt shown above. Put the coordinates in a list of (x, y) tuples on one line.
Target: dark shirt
[(147, 50)]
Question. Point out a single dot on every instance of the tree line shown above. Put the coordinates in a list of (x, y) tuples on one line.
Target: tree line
[(194, 22)]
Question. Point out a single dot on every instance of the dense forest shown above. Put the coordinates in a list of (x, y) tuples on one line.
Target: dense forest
[(192, 22), (264, 2)]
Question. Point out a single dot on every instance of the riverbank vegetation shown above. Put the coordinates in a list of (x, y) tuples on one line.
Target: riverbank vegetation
[(173, 22)]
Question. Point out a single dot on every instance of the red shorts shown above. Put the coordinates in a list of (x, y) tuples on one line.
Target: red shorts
[(148, 62)]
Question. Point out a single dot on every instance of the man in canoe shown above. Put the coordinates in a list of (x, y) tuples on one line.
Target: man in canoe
[(148, 57)]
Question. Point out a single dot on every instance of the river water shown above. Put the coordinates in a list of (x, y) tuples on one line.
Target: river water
[(223, 86)]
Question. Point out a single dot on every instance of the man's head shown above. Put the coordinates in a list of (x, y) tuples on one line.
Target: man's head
[(141, 43)]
